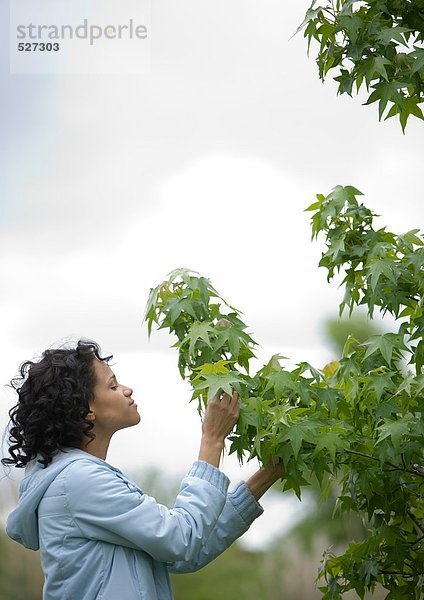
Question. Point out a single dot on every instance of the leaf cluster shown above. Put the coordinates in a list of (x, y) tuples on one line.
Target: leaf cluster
[(358, 421), (377, 44)]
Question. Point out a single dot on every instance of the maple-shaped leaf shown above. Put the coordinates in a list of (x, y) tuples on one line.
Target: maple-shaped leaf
[(395, 429), (331, 439), (231, 336), (294, 483), (380, 384), (381, 266), (384, 92), (181, 272), (178, 305), (386, 344), (328, 396), (376, 68), (418, 57), (280, 381), (408, 106), (245, 354), (150, 310), (198, 330), (218, 367), (299, 432), (218, 381), (387, 408), (305, 366), (273, 365), (388, 34)]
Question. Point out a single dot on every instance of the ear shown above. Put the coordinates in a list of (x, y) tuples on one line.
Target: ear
[(91, 415)]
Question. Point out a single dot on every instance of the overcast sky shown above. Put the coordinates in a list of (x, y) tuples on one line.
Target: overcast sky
[(208, 162)]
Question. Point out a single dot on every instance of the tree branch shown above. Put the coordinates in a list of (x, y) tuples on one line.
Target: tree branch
[(418, 541), (416, 470), (417, 523)]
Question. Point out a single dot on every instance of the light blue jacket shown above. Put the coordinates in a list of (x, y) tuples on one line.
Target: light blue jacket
[(102, 538)]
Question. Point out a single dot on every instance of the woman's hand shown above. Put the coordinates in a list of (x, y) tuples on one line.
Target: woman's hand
[(264, 478), (222, 413)]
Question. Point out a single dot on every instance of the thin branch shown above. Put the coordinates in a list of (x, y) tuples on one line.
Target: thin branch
[(418, 541), (333, 20), (416, 521), (417, 470)]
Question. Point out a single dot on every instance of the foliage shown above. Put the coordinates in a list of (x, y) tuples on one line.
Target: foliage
[(375, 43), (358, 326), (357, 421)]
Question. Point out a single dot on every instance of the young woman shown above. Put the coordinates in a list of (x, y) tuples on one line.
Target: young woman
[(100, 536)]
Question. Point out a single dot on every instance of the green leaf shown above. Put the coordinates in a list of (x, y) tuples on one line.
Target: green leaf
[(217, 381), (198, 330), (388, 34), (387, 408), (234, 336), (411, 239), (395, 430), (218, 367), (297, 432), (279, 382), (381, 383), (316, 205), (418, 56), (409, 107), (330, 439), (386, 344), (329, 396), (330, 369), (385, 92), (379, 67), (177, 306), (368, 570), (294, 483), (379, 267), (311, 15)]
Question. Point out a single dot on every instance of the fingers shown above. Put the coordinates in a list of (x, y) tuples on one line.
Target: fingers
[(232, 404), (222, 413), (227, 399), (224, 398)]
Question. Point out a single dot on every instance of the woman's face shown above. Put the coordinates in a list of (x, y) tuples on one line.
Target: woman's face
[(112, 408)]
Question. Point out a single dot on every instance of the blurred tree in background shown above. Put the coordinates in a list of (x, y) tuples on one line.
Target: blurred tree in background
[(337, 330), (21, 577)]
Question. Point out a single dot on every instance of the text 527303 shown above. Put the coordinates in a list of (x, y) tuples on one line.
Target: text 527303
[(38, 46)]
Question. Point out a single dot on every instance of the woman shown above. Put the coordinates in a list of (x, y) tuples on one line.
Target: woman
[(100, 536)]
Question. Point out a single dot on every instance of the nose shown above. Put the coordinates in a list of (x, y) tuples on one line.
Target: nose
[(128, 391)]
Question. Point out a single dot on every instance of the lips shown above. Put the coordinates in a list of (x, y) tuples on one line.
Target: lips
[(132, 402)]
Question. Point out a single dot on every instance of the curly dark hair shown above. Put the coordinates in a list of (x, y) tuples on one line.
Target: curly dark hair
[(54, 395)]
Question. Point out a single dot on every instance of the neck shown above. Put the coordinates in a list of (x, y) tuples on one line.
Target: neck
[(98, 446)]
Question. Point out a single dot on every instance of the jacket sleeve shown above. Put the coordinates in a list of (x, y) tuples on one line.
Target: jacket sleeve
[(239, 512), (107, 507)]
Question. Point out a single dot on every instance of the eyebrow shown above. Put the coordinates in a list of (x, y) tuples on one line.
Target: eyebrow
[(113, 377)]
